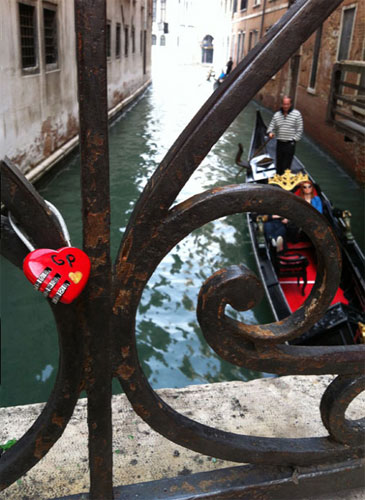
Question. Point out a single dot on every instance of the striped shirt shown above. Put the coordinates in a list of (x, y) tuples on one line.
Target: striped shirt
[(287, 128)]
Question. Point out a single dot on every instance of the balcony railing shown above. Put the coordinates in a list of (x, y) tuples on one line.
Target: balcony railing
[(346, 105), (97, 332)]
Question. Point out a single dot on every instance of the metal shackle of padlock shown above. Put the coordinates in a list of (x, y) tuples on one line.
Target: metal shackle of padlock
[(59, 274)]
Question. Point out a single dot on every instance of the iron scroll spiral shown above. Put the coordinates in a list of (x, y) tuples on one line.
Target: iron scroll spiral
[(154, 229), (256, 347)]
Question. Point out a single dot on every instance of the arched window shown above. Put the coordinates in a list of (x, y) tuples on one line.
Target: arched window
[(162, 40), (154, 39), (207, 49)]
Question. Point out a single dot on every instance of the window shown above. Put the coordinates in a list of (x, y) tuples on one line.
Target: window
[(232, 45), (50, 36), (163, 10), (118, 32), (162, 40), (234, 6), (346, 34), (133, 36), (154, 39), (126, 41), (240, 45), (256, 3), (154, 10), (207, 49), (108, 39), (253, 38), (28, 37), (317, 46), (244, 4)]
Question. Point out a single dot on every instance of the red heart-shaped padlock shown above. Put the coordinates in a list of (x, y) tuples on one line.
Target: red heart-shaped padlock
[(60, 274)]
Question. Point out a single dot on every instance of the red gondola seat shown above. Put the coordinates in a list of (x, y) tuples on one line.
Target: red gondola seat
[(293, 264)]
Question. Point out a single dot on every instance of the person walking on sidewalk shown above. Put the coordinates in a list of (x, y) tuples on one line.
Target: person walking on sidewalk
[(287, 126), (229, 66)]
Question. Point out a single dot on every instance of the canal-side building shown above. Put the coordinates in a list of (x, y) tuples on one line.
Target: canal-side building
[(331, 86), (325, 78), (39, 106), (192, 31)]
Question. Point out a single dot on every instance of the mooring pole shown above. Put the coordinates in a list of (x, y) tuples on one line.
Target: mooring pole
[(90, 18)]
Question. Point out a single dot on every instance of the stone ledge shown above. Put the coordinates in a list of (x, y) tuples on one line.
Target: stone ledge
[(280, 407)]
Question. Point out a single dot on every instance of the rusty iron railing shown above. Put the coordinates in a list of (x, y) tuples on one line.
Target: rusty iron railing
[(89, 359)]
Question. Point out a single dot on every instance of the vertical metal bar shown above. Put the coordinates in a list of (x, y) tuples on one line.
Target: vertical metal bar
[(90, 18)]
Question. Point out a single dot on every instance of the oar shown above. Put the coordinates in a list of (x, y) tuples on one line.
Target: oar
[(261, 148)]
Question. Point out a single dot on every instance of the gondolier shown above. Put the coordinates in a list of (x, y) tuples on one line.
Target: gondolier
[(287, 126)]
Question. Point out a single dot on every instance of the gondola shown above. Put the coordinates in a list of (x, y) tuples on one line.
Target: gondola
[(344, 321)]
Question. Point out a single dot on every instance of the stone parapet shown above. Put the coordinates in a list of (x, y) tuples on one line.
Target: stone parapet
[(277, 407)]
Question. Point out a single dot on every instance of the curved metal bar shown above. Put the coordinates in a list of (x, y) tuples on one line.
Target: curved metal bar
[(336, 399), (215, 442), (11, 247), (228, 337), (28, 206), (52, 421), (250, 347)]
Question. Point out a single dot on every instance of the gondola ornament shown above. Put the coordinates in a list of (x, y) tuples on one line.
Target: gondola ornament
[(288, 180)]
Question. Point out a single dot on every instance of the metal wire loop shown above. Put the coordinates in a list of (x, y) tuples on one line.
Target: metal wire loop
[(22, 236)]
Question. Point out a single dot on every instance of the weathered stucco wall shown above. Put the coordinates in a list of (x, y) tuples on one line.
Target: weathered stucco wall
[(39, 107), (38, 110)]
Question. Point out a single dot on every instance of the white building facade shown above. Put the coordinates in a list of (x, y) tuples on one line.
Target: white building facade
[(193, 31)]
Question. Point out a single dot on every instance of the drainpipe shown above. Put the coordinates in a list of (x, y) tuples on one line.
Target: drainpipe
[(262, 18)]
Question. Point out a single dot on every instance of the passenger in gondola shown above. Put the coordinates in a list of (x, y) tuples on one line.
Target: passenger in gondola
[(287, 126), (308, 192), (275, 229), (278, 229)]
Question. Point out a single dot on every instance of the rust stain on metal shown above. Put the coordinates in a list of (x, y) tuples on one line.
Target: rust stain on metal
[(206, 485), (98, 461), (122, 300), (188, 487), (41, 447), (95, 140), (125, 371), (141, 276), (125, 351), (96, 227), (142, 411), (57, 420)]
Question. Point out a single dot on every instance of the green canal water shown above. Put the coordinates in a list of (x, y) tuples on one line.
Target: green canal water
[(172, 350)]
